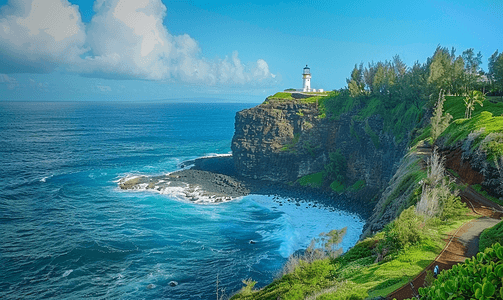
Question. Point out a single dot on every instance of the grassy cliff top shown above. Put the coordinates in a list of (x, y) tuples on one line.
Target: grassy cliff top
[(287, 96)]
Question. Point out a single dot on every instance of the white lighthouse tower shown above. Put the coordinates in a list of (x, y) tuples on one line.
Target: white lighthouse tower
[(306, 79)]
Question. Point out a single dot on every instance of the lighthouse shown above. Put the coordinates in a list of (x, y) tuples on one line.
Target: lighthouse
[(306, 79)]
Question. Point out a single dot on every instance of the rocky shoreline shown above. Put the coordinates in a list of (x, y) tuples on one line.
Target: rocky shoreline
[(214, 180)]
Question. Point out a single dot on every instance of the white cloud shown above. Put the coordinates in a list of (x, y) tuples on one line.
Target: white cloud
[(10, 83), (41, 86), (125, 39), (39, 35)]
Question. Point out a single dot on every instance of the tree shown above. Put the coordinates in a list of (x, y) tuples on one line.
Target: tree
[(471, 100), (472, 66), (440, 70), (458, 81), (491, 61), (368, 76), (496, 70), (356, 84), (472, 61)]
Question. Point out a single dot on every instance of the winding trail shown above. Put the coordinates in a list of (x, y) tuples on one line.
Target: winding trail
[(460, 244)]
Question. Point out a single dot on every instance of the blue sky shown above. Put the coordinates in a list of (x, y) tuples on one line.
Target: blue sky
[(145, 50)]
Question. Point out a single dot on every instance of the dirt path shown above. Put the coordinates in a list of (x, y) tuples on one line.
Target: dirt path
[(461, 244)]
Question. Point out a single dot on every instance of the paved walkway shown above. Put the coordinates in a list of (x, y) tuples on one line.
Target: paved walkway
[(461, 244)]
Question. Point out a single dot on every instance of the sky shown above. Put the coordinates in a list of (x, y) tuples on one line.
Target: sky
[(224, 51)]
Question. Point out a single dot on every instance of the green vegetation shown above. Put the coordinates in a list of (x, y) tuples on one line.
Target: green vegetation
[(338, 187), (290, 146), (310, 149), (483, 130), (454, 173), (406, 186), (312, 180), (490, 236), (479, 189), (373, 136), (455, 106), (373, 267), (360, 184), (425, 201), (471, 100), (336, 167), (316, 98), (281, 96), (439, 121), (477, 278)]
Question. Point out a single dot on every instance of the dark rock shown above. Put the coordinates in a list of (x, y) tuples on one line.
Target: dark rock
[(173, 283)]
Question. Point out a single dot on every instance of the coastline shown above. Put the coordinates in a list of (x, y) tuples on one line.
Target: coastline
[(213, 180)]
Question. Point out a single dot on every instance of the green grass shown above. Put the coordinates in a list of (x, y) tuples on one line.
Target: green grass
[(490, 236), (479, 189), (486, 120), (456, 107), (281, 96), (425, 134), (313, 180), (485, 124), (495, 98)]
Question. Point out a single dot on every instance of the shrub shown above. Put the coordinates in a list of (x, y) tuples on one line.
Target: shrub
[(407, 228), (336, 168), (313, 180), (320, 248), (490, 236), (438, 197), (336, 186), (247, 289), (404, 231), (477, 278), (439, 122)]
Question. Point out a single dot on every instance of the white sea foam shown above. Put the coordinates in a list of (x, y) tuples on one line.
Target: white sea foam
[(45, 178), (210, 155), (68, 272)]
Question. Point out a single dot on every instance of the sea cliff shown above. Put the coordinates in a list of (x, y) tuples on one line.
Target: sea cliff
[(285, 140)]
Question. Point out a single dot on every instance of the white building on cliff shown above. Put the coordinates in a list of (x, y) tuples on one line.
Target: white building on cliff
[(306, 82)]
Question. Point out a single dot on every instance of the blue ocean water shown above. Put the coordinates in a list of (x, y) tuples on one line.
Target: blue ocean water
[(68, 232)]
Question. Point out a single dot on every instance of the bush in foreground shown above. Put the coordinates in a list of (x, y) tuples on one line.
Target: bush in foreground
[(477, 278), (490, 236)]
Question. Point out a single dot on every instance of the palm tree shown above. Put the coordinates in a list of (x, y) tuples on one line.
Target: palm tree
[(471, 100)]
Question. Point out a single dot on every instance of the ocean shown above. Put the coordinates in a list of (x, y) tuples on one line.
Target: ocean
[(68, 232)]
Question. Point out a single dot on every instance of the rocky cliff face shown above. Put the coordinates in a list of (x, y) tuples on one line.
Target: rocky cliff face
[(285, 140), (473, 167)]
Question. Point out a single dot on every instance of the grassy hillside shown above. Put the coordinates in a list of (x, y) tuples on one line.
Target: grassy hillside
[(357, 275), (484, 129)]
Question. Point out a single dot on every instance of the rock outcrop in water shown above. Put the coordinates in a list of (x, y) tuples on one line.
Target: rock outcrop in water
[(287, 139)]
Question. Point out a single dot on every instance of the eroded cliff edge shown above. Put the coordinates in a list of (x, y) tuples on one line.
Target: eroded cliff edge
[(283, 141)]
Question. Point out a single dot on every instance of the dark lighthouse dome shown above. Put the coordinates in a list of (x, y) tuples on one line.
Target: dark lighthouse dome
[(307, 70)]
